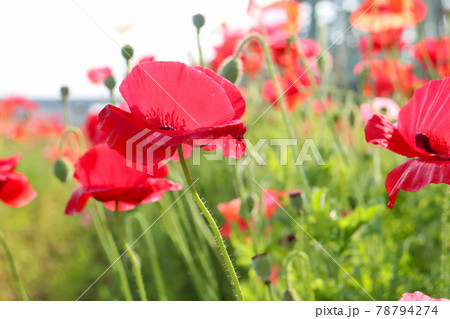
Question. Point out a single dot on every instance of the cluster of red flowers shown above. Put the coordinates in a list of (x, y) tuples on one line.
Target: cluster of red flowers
[(279, 22), (385, 21)]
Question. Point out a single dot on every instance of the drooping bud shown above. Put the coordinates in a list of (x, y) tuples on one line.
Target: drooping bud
[(63, 169), (110, 82), (127, 52), (198, 20), (231, 69), (64, 92), (296, 199), (263, 267), (290, 295)]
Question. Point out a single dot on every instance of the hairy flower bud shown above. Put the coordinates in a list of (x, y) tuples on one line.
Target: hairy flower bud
[(263, 267), (198, 20), (296, 199), (64, 91), (63, 169), (127, 52), (231, 69), (110, 82)]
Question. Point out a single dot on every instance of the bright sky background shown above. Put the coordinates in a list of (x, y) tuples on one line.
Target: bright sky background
[(49, 43)]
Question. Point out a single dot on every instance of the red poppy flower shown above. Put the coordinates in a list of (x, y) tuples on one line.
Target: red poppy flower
[(15, 189), (230, 211), (422, 131), (271, 201), (231, 38), (437, 50), (419, 296), (176, 104), (252, 56), (12, 105), (389, 40), (381, 15), (387, 76), (104, 175), (286, 55), (295, 86), (98, 75)]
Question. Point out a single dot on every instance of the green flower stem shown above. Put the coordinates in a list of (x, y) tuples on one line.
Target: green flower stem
[(107, 241), (71, 130), (200, 52), (153, 251), (16, 277), (213, 225), (286, 123), (270, 291), (131, 253), (66, 110), (246, 210), (305, 271), (445, 259), (112, 97)]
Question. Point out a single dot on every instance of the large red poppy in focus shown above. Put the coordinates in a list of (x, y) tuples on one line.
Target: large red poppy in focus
[(383, 15), (104, 175), (422, 131), (15, 189), (175, 104)]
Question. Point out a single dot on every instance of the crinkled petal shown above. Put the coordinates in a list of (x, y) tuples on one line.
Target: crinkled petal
[(380, 131), (174, 94), (77, 201)]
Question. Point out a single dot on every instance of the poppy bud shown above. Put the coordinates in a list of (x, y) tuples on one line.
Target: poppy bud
[(110, 82), (296, 199), (198, 20), (63, 169), (64, 92), (127, 52), (249, 200), (263, 267), (290, 295), (231, 69)]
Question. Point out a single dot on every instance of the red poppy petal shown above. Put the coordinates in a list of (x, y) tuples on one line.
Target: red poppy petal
[(7, 165), (415, 174), (77, 201), (233, 93), (16, 191), (102, 167), (380, 131), (121, 127), (174, 94), (428, 113)]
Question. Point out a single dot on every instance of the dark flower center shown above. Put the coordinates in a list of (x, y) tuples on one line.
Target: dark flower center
[(166, 128), (423, 142)]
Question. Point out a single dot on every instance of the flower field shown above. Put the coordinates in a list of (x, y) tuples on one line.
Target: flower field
[(257, 175)]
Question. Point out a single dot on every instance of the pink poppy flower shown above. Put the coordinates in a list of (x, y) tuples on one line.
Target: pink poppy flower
[(419, 296), (98, 75), (378, 105), (271, 201)]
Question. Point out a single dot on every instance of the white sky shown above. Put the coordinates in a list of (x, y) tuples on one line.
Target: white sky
[(49, 43)]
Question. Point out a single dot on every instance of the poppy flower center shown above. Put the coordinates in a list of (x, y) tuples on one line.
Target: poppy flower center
[(166, 128), (433, 144)]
